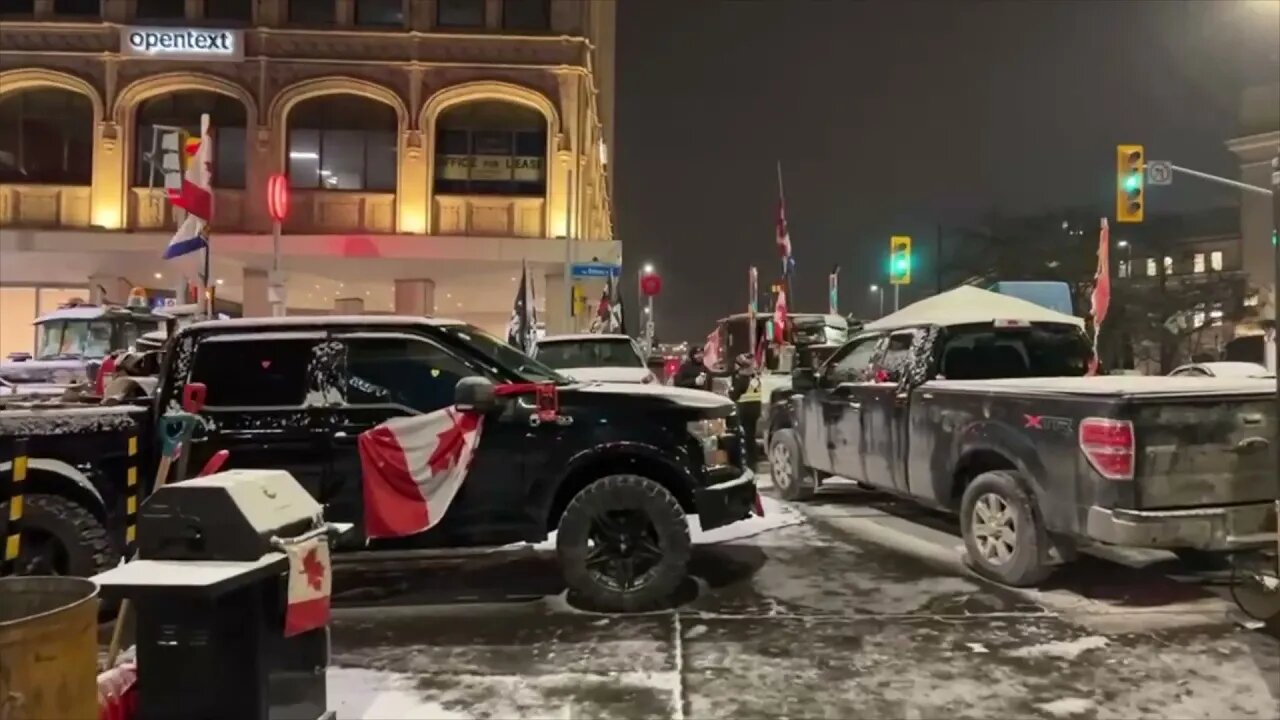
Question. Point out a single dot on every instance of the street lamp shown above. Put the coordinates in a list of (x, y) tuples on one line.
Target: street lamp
[(880, 291)]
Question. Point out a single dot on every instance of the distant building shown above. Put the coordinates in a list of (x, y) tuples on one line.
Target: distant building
[(1257, 144), (431, 147)]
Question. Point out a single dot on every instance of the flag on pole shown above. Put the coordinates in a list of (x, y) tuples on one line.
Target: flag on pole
[(195, 196), (833, 291), (522, 330), (783, 234), (1100, 299)]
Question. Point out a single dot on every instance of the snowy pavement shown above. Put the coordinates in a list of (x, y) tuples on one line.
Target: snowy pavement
[(794, 615)]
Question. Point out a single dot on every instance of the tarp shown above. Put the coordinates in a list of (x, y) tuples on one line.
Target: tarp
[(967, 305)]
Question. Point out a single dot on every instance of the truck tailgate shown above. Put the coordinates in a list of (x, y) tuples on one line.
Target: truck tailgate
[(1194, 452)]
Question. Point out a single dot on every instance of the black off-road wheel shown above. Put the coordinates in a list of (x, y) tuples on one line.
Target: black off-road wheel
[(794, 481), (623, 544), (1003, 537), (60, 537)]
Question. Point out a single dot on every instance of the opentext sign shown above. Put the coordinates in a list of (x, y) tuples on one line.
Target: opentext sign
[(195, 43)]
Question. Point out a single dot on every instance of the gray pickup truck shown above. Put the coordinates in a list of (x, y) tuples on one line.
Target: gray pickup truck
[(993, 420)]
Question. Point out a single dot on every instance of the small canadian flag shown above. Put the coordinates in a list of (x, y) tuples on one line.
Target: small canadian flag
[(310, 583)]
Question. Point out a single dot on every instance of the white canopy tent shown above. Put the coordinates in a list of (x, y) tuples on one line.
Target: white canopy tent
[(967, 305)]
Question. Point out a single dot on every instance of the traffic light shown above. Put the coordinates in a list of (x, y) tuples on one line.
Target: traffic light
[(899, 260), (1131, 163)]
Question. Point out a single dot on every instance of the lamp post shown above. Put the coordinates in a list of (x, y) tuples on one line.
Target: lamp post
[(648, 284), (879, 291)]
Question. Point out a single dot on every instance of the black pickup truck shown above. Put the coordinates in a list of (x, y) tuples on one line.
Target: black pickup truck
[(615, 472), (995, 422)]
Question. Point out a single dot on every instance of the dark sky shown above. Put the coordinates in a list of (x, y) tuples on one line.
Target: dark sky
[(891, 117)]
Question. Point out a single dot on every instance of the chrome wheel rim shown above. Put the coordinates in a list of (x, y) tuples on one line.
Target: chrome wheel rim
[(995, 529), (780, 465)]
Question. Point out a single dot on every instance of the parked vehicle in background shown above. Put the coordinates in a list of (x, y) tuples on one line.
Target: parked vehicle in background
[(1222, 369), (595, 357), (977, 405), (72, 341)]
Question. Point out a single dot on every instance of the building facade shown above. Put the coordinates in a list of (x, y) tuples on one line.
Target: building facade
[(1257, 144), (433, 149)]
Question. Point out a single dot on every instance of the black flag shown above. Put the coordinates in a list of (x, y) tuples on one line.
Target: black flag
[(520, 330)]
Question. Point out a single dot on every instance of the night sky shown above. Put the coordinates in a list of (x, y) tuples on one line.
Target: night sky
[(892, 117)]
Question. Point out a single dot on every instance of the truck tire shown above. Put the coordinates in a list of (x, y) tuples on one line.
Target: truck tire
[(1003, 536), (793, 480), (623, 544), (60, 537)]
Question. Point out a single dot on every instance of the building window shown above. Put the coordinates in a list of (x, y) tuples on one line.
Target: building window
[(491, 148), (77, 8), (240, 11), (183, 109), (386, 13), (460, 13), (1168, 265), (1151, 267), (160, 10), (1197, 263), (46, 137), (526, 14), (1124, 268), (17, 8), (342, 142), (312, 12), (1215, 260)]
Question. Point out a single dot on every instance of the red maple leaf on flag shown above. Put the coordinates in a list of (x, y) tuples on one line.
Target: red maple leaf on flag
[(313, 569), (452, 442)]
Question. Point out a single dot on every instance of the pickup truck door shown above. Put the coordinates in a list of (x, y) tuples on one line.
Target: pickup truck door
[(395, 374), (833, 427), (259, 407), (884, 412)]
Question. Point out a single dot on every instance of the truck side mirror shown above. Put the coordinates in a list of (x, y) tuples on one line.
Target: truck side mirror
[(475, 394), (803, 379)]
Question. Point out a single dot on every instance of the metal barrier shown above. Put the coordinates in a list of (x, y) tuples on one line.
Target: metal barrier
[(133, 500), (14, 494)]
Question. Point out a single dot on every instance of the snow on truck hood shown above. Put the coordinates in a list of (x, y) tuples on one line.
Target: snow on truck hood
[(680, 396), (1116, 385), (607, 374)]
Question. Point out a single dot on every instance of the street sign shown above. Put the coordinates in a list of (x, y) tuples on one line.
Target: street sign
[(1159, 172), (594, 270)]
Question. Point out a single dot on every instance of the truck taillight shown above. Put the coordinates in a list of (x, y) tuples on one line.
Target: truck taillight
[(1109, 446)]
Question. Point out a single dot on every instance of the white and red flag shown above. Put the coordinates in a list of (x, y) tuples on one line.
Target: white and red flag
[(711, 349), (1100, 299), (412, 469), (780, 317), (195, 196), (310, 584)]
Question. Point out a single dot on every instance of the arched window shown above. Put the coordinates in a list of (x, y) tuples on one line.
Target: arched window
[(46, 137), (183, 109), (491, 148), (342, 142)]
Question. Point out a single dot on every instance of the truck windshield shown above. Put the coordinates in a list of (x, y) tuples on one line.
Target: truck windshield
[(503, 355), (69, 339), (562, 354), (981, 352)]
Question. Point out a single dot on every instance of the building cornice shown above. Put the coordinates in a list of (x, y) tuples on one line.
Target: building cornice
[(1252, 148)]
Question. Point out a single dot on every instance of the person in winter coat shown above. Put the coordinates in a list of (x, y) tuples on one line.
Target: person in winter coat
[(693, 373)]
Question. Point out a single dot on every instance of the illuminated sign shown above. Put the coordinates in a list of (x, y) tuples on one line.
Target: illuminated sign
[(176, 43), (500, 168)]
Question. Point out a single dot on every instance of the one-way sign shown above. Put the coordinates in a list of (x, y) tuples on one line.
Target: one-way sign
[(1159, 172)]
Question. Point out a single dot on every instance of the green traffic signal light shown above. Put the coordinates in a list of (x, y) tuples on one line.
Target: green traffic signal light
[(1133, 182), (900, 265)]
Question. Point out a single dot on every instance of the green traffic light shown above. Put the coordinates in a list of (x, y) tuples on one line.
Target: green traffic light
[(900, 265), (1133, 182)]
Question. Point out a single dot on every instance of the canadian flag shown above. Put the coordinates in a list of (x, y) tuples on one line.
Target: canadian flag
[(413, 467), (310, 583)]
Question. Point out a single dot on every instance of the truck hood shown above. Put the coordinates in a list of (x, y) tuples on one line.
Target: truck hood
[(677, 396), (42, 371), (608, 374), (1126, 385)]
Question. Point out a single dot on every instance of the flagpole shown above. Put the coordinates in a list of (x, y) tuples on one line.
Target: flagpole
[(207, 300), (786, 269)]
